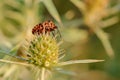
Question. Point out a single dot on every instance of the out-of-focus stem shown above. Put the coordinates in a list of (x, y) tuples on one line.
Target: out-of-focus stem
[(80, 5), (109, 22), (104, 39)]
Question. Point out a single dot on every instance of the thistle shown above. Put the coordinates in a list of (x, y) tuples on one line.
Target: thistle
[(43, 52), (94, 11), (43, 49)]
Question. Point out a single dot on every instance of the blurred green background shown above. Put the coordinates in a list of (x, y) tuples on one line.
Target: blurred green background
[(90, 30)]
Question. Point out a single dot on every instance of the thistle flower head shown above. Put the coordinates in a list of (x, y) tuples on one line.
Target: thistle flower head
[(95, 10), (42, 50)]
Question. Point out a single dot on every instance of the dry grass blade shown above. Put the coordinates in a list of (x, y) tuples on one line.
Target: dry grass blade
[(79, 4), (11, 70), (52, 10)]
